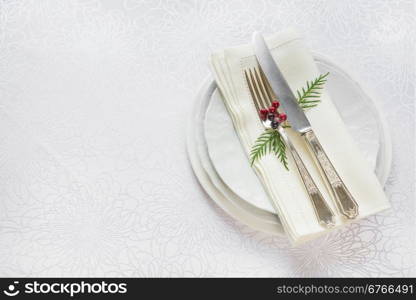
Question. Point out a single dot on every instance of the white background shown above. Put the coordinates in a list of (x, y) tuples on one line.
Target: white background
[(94, 102)]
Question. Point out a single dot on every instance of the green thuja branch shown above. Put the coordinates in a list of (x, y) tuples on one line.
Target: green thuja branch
[(262, 145), (270, 141), (279, 149), (309, 96)]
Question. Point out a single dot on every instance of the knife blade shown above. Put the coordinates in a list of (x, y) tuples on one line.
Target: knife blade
[(287, 99), (345, 202)]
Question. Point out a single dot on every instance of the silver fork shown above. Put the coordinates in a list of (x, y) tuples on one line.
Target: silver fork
[(262, 97)]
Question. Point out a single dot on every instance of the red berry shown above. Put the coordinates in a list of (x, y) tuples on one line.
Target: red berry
[(263, 111), (282, 117), (275, 104), (263, 114), (272, 109)]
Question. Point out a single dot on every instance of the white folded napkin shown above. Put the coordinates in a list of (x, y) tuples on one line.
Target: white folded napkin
[(285, 188)]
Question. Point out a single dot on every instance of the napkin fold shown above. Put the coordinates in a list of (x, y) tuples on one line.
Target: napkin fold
[(285, 188)]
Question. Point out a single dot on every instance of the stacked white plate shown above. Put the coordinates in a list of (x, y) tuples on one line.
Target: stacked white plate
[(222, 166)]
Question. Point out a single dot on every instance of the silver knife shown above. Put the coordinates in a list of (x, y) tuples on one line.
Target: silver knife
[(298, 121)]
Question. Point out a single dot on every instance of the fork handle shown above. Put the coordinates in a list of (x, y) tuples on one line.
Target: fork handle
[(344, 200), (322, 210)]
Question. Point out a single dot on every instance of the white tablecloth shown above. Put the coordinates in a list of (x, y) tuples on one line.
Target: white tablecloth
[(94, 103)]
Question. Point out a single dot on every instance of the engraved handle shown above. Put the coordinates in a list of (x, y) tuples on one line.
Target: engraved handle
[(344, 200), (323, 212)]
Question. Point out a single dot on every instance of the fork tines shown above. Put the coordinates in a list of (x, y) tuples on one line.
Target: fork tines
[(259, 87)]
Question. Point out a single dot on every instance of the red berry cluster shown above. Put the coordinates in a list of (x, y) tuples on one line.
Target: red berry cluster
[(272, 114)]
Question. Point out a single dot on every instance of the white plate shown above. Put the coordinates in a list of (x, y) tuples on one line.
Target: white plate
[(241, 193)]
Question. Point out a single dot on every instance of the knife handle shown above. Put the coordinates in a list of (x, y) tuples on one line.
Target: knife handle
[(322, 210), (344, 200)]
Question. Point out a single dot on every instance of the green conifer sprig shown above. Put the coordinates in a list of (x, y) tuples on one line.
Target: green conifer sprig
[(310, 96), (270, 141)]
